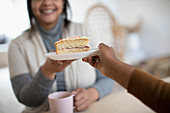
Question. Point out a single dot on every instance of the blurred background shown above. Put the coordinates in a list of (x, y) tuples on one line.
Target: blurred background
[(152, 37), (142, 27)]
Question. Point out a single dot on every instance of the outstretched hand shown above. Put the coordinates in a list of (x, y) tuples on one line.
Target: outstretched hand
[(50, 67), (107, 63), (104, 60)]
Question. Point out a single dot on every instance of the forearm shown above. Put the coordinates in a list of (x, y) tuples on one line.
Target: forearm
[(119, 72), (93, 95), (46, 73), (105, 89), (33, 92), (151, 91)]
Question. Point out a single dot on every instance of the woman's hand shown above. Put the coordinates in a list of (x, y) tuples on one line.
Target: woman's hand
[(50, 67), (84, 97)]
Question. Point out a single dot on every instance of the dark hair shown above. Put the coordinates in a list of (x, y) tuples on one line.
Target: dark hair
[(65, 14)]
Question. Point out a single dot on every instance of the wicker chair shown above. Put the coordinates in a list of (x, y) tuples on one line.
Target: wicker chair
[(104, 28)]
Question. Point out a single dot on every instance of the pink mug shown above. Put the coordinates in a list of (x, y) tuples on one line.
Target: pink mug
[(61, 102)]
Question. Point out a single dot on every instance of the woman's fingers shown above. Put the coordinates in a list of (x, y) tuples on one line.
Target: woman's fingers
[(80, 102), (59, 62), (64, 62), (82, 107), (81, 99)]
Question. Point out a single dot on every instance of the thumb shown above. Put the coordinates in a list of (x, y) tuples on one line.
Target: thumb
[(102, 47), (76, 91)]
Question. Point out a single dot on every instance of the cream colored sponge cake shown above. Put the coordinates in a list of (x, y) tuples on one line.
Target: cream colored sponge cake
[(72, 45)]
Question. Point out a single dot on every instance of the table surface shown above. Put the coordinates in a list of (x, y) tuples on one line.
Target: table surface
[(119, 101)]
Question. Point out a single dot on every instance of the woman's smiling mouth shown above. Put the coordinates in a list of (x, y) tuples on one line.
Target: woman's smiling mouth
[(49, 11)]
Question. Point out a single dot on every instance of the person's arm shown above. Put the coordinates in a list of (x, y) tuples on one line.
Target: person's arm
[(30, 91), (152, 91), (98, 90), (108, 64), (105, 89)]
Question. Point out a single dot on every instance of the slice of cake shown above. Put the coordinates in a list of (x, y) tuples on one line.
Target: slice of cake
[(72, 45)]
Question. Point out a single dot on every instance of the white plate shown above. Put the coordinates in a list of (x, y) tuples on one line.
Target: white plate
[(71, 56)]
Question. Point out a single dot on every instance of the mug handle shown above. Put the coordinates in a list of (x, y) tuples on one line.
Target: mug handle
[(73, 105)]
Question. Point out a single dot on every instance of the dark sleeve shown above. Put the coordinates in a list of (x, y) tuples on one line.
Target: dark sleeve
[(153, 92), (30, 91), (104, 85)]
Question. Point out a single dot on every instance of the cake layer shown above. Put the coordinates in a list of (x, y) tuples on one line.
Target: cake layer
[(75, 50), (71, 43)]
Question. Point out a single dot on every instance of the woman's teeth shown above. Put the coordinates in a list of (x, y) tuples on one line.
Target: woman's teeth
[(47, 11)]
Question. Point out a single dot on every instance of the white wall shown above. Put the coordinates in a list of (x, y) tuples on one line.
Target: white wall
[(14, 17), (7, 17), (155, 31), (80, 7), (21, 14)]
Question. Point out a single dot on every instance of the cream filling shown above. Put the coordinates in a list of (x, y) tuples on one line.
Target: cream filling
[(85, 47)]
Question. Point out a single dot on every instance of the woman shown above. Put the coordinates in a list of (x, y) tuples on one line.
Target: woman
[(150, 90), (33, 76)]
